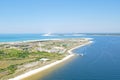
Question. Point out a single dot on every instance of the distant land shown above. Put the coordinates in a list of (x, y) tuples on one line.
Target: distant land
[(117, 34), (105, 34)]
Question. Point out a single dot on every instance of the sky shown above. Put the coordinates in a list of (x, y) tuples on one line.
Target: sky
[(59, 16)]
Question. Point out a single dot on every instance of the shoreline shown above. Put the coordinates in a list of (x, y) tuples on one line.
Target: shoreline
[(32, 72), (35, 71), (71, 50), (24, 41)]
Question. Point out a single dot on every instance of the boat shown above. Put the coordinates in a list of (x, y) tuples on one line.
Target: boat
[(81, 54), (48, 34)]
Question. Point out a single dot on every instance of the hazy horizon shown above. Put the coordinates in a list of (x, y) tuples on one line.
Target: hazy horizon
[(59, 16)]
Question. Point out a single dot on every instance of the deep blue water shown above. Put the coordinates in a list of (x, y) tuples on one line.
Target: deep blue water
[(101, 60)]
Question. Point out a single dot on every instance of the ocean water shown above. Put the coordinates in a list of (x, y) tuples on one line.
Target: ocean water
[(101, 60)]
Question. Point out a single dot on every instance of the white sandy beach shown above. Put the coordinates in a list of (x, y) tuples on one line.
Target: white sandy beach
[(15, 42), (20, 77)]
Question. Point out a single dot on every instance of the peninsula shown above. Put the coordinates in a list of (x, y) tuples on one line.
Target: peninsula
[(22, 59)]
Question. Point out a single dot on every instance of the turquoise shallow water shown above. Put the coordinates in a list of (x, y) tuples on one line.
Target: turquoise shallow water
[(101, 60), (25, 37)]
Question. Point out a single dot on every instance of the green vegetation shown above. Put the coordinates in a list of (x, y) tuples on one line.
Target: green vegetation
[(11, 58), (48, 55), (13, 53), (12, 68)]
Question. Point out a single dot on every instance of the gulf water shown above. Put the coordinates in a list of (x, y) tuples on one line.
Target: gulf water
[(101, 60)]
